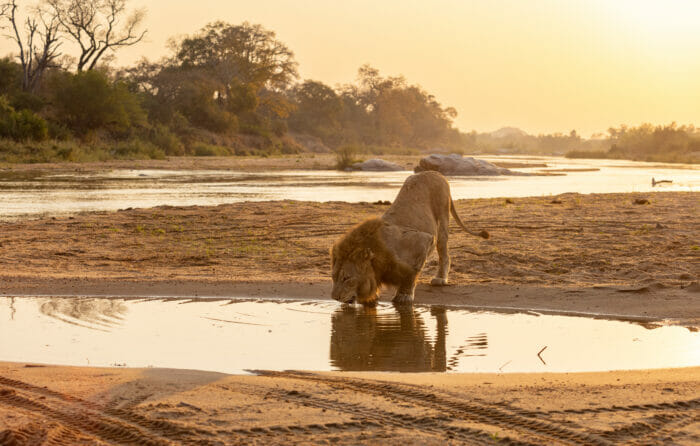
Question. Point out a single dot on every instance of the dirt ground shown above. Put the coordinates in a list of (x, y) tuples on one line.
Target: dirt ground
[(67, 405), (572, 253)]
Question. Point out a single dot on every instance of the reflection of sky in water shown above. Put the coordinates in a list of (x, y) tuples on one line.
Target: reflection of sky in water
[(234, 335), (57, 194)]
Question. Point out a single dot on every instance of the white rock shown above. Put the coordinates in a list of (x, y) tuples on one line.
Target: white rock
[(377, 165), (457, 165)]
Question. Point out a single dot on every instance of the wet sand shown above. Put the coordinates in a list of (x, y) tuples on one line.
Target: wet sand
[(571, 253), (68, 405)]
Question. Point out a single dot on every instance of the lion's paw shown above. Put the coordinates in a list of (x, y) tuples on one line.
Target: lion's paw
[(403, 298), (438, 281)]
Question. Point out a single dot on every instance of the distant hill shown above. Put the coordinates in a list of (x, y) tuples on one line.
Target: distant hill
[(505, 132)]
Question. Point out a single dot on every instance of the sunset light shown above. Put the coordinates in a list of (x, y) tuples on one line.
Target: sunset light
[(366, 222)]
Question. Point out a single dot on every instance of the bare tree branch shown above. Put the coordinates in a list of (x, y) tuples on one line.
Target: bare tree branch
[(94, 25), (38, 48)]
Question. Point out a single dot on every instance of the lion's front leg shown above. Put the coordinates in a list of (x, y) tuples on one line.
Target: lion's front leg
[(405, 291)]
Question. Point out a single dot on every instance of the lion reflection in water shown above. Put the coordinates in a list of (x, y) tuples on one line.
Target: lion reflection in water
[(361, 339)]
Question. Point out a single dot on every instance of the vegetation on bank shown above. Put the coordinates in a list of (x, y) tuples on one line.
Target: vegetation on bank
[(231, 90), (663, 143), (224, 90)]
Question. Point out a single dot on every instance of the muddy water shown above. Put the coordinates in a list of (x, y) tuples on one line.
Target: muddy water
[(37, 193), (236, 335)]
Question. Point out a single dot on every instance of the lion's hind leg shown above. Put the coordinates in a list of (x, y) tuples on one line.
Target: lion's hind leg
[(440, 278)]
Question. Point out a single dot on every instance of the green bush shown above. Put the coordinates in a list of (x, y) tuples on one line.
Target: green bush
[(195, 101), (88, 101), (167, 141), (39, 151), (72, 151), (279, 127), (346, 156), (136, 149), (21, 125), (59, 132), (203, 149)]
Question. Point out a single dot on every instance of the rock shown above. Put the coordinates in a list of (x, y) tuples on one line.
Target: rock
[(457, 165), (377, 165)]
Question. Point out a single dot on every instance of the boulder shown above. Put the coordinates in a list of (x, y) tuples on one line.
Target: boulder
[(377, 165), (457, 165)]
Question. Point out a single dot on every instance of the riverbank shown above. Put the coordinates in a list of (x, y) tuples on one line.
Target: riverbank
[(83, 405), (302, 161), (598, 253)]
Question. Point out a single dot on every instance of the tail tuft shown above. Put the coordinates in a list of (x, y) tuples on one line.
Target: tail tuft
[(484, 234)]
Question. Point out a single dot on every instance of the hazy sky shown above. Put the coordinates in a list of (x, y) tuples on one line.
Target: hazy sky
[(541, 65)]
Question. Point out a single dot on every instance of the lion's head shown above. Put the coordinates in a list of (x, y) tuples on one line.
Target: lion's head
[(353, 276)]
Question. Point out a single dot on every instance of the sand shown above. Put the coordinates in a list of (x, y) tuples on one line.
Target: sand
[(67, 405), (592, 254)]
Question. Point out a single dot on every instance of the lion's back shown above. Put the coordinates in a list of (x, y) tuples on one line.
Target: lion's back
[(423, 199)]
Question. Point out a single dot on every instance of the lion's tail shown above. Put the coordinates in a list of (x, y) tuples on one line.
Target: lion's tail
[(453, 211)]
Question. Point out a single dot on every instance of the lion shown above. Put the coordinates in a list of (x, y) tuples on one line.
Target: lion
[(392, 249)]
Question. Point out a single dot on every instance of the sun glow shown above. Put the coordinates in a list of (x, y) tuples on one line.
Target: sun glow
[(543, 66), (665, 19)]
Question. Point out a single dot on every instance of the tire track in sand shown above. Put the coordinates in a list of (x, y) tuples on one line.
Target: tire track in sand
[(497, 415), (669, 419), (380, 419), (83, 420), (107, 423)]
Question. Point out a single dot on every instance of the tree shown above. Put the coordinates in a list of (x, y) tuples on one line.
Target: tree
[(38, 47), (318, 109), (222, 76), (94, 25), (88, 102), (245, 53), (387, 111)]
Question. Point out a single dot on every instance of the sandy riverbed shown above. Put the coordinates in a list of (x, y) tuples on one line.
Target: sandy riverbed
[(68, 405), (577, 253), (573, 253)]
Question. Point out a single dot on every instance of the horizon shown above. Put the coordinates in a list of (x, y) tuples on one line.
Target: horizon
[(544, 67)]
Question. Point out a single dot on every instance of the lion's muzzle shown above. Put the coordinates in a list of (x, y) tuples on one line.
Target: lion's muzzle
[(342, 294)]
